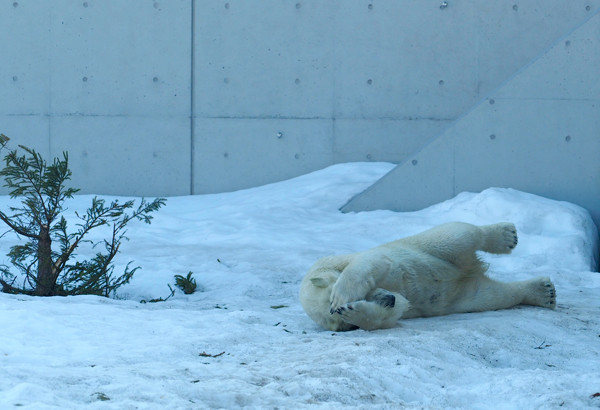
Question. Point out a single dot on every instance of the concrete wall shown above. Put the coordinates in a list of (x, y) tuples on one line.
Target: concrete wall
[(539, 132), (109, 81), (177, 97)]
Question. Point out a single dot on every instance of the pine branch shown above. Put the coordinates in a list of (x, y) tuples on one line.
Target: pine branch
[(8, 288), (34, 181), (16, 228), (3, 140), (53, 184), (96, 216)]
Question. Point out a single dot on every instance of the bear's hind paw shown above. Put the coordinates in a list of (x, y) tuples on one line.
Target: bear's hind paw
[(541, 293), (501, 238)]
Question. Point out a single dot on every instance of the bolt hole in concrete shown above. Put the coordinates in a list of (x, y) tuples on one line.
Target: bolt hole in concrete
[(370, 7), (85, 4), (15, 4), (568, 138), (492, 101), (226, 5), (492, 137), (414, 162), (515, 7), (369, 81)]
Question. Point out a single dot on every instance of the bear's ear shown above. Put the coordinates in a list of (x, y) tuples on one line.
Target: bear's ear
[(319, 282)]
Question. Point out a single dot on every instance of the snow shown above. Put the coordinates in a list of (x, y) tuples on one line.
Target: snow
[(244, 341)]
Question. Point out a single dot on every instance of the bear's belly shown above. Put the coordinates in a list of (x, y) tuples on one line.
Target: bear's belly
[(430, 284)]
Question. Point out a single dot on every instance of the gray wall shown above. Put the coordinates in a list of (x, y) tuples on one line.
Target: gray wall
[(178, 97), (539, 132), (109, 81)]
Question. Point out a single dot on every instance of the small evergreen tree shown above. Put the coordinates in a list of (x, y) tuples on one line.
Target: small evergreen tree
[(47, 272)]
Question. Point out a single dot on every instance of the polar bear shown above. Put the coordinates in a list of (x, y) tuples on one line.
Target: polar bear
[(436, 272)]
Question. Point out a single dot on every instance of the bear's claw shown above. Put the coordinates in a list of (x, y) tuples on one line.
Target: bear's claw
[(341, 309)]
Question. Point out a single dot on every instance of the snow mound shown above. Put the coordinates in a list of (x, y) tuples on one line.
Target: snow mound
[(244, 340)]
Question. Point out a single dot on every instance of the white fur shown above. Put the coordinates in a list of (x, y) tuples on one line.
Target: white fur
[(436, 272)]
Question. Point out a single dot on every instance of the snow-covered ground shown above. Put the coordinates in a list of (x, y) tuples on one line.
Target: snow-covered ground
[(244, 341)]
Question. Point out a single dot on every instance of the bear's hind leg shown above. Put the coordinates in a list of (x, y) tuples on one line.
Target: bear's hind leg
[(456, 242), (499, 238), (453, 242), (482, 294), (381, 310)]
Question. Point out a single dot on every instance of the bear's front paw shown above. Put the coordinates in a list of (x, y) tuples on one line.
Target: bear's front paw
[(368, 315), (350, 312), (344, 291)]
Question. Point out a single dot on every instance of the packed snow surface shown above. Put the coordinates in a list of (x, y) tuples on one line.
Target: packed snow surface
[(244, 341)]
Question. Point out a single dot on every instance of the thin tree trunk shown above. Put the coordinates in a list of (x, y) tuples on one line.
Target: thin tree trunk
[(45, 277)]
